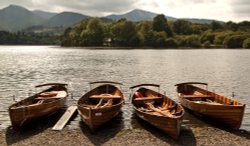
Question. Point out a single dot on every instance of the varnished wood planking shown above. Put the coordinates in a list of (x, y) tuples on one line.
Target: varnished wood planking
[(94, 117), (169, 125), (27, 110), (230, 111), (65, 118)]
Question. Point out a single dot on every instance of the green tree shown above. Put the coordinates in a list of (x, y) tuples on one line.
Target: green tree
[(207, 36), (6, 38), (244, 26), (219, 38), (159, 39), (66, 40), (156, 33), (160, 24), (246, 43), (93, 35), (107, 30), (231, 26), (182, 27), (207, 44), (124, 33), (191, 41), (146, 33), (171, 43), (234, 41), (199, 28), (215, 25)]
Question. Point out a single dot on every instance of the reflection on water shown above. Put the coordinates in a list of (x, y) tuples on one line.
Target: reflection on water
[(23, 67)]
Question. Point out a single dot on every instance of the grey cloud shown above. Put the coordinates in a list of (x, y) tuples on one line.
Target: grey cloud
[(97, 7), (191, 2), (202, 1), (241, 2), (4, 3), (241, 8), (111, 5), (89, 7), (151, 3), (181, 3)]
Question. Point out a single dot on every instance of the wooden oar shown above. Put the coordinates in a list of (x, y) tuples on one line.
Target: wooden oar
[(99, 103), (44, 98), (151, 106), (109, 103)]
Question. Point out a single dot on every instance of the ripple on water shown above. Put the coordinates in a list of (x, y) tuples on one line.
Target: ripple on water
[(23, 67)]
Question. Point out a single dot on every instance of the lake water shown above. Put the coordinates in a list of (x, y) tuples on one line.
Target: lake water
[(23, 67)]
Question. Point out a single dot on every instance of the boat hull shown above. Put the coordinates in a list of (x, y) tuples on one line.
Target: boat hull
[(170, 126), (94, 118), (229, 115), (93, 115), (227, 111), (29, 109), (24, 115), (165, 115)]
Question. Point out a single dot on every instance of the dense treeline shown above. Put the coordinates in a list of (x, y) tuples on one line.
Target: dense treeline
[(157, 33), (124, 33), (29, 38)]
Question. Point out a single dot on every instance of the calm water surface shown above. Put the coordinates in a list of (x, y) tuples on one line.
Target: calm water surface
[(23, 67)]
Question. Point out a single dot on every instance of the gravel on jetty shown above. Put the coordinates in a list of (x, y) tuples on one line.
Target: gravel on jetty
[(145, 135)]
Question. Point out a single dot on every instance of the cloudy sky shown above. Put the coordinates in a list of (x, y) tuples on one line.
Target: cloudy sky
[(235, 10)]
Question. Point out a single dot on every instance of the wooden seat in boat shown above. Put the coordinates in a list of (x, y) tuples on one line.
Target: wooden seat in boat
[(197, 96), (108, 96), (48, 94), (146, 99), (58, 95)]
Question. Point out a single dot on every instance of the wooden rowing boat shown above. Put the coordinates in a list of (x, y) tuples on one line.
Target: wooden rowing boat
[(210, 104), (38, 105), (157, 109), (100, 104)]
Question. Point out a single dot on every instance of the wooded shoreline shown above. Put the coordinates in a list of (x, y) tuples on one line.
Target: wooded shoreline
[(158, 33)]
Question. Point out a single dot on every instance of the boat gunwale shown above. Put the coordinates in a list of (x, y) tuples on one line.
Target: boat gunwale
[(106, 107), (162, 116), (207, 104), (33, 96), (87, 117), (191, 83), (162, 96)]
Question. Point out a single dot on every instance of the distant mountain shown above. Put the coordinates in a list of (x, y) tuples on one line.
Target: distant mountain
[(65, 19), (13, 18), (136, 15), (202, 21), (43, 14), (140, 15)]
